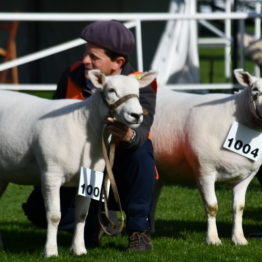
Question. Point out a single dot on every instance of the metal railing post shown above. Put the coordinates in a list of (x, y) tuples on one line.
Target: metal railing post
[(257, 33), (139, 47)]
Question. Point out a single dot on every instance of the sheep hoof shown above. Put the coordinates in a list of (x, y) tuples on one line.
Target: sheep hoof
[(51, 252), (79, 250), (214, 241), (239, 241)]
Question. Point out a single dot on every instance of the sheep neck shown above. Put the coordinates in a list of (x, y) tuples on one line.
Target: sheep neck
[(96, 111), (248, 108)]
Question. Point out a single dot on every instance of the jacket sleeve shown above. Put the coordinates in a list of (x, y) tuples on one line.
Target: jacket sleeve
[(148, 101)]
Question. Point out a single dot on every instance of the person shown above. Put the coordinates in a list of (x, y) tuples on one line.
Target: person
[(109, 44)]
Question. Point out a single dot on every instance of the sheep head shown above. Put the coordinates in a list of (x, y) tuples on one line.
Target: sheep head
[(246, 79), (121, 93)]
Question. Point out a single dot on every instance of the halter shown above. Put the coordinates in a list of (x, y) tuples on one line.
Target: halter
[(253, 105), (112, 107), (120, 101)]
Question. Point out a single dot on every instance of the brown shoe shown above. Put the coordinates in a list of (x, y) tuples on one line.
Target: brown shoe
[(139, 241)]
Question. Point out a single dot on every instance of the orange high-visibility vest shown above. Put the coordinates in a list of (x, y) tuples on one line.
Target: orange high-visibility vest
[(74, 91)]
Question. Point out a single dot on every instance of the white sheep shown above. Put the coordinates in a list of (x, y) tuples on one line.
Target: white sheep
[(189, 132), (47, 141)]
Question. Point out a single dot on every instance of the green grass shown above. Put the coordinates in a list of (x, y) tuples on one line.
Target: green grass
[(180, 230)]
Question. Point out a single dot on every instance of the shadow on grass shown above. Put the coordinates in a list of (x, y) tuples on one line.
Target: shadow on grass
[(26, 238), (176, 228), (20, 238), (115, 245), (254, 214)]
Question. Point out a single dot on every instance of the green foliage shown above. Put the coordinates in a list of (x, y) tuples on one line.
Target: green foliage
[(180, 230), (212, 66)]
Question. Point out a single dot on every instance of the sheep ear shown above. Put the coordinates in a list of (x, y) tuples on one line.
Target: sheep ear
[(146, 78), (243, 78), (97, 78)]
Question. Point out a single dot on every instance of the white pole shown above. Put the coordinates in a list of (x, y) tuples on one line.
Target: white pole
[(214, 29), (52, 87), (41, 54), (241, 45), (123, 16), (139, 47), (28, 87), (257, 34), (228, 44)]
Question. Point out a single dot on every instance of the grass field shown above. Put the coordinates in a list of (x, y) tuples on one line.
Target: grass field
[(180, 230)]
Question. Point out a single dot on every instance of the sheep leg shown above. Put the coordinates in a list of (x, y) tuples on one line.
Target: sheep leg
[(51, 194), (207, 190), (239, 193), (81, 210), (3, 186)]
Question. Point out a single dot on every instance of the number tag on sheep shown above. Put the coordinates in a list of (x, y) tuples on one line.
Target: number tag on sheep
[(244, 141), (90, 183)]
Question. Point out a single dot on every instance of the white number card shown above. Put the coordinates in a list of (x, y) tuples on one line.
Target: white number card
[(90, 183), (244, 141)]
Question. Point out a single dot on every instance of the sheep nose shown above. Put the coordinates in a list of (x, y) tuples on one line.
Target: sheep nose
[(136, 116)]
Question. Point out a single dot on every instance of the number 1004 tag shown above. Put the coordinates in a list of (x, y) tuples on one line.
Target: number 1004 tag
[(242, 148), (244, 141)]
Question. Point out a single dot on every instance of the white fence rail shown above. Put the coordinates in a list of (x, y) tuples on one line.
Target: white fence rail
[(123, 16), (52, 87), (134, 20)]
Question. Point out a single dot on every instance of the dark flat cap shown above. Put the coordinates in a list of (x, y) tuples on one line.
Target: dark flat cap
[(111, 35)]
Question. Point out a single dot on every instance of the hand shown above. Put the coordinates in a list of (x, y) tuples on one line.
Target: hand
[(119, 130)]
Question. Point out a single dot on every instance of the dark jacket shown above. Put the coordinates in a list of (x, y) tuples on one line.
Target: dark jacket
[(147, 98)]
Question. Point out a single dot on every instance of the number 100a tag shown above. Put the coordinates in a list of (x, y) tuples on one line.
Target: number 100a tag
[(244, 141), (90, 183)]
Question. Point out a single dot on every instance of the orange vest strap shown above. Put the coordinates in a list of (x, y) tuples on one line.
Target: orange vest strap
[(73, 91), (136, 73), (75, 65), (153, 84), (157, 174)]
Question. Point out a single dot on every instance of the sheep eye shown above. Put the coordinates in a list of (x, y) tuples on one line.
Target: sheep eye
[(255, 92), (112, 91)]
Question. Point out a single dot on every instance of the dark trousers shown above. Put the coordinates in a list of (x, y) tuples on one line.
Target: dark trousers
[(134, 171), (135, 177)]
